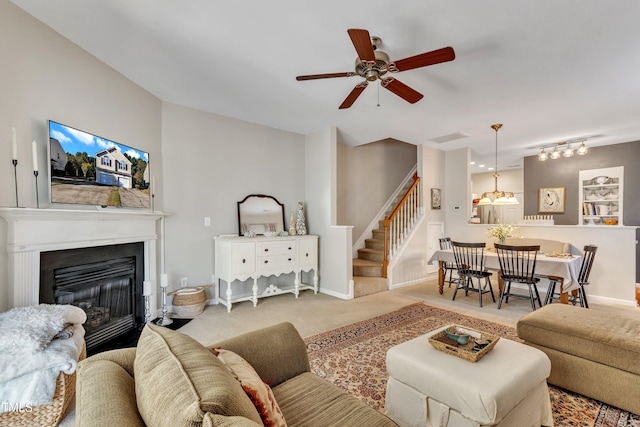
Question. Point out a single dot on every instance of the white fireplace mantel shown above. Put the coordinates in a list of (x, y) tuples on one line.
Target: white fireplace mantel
[(28, 232)]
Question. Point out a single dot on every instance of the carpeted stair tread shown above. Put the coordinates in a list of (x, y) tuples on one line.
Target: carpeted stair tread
[(367, 268), (370, 254), (363, 285)]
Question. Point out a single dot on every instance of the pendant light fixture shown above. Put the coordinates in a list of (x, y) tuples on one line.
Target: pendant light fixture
[(499, 197)]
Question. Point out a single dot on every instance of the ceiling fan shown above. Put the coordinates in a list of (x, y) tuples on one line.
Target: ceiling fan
[(372, 64)]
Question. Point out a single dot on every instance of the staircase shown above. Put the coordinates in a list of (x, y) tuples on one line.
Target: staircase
[(369, 268)]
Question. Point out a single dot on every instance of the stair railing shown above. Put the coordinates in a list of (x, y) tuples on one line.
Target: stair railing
[(399, 223)]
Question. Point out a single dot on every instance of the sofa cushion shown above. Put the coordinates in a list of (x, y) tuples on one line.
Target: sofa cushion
[(96, 403), (178, 380), (216, 420), (599, 336), (258, 391), (309, 401)]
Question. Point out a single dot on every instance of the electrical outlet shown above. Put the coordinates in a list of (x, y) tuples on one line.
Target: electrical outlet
[(207, 221), (184, 282)]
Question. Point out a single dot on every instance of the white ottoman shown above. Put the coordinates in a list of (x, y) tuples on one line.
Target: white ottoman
[(428, 387)]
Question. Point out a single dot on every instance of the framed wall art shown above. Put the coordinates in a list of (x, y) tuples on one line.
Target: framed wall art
[(551, 200), (436, 198)]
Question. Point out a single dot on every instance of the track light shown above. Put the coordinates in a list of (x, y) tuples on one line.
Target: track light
[(565, 150), (582, 150)]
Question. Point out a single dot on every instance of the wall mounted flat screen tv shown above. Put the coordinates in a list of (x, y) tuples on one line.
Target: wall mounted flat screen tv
[(90, 170)]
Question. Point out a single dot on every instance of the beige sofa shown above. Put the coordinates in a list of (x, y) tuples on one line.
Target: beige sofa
[(172, 380), (593, 353)]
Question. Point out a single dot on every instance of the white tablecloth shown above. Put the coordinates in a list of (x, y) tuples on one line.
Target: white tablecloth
[(567, 268)]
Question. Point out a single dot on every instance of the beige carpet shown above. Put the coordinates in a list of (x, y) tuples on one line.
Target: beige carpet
[(313, 314)]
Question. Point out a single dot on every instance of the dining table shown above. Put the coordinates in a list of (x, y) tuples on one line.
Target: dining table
[(564, 268)]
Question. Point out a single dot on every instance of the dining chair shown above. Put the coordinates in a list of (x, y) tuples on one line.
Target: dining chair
[(583, 279), (470, 265), (518, 265), (449, 267)]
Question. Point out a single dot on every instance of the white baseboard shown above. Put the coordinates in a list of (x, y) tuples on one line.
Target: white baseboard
[(611, 301), (337, 294)]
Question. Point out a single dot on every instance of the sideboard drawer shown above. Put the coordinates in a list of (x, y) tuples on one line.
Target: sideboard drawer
[(277, 248), (276, 261)]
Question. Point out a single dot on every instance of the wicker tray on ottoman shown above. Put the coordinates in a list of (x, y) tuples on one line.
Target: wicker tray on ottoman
[(442, 342), (48, 414)]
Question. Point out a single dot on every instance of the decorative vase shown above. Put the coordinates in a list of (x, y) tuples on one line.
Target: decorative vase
[(301, 227), (292, 225)]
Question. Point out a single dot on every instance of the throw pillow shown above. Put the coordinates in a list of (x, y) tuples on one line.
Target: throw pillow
[(258, 391), (178, 380)]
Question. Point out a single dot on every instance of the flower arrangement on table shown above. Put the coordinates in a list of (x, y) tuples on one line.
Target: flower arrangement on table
[(501, 231)]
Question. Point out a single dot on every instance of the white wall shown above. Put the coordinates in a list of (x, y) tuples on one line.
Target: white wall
[(320, 187), (212, 163), (44, 76)]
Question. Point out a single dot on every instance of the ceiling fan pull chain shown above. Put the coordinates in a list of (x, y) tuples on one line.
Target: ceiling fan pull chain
[(378, 95)]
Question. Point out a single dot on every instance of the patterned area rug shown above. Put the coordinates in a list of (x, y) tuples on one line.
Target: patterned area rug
[(353, 357)]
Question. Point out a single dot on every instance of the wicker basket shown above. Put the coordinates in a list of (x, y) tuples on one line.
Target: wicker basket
[(441, 342), (189, 302), (48, 414)]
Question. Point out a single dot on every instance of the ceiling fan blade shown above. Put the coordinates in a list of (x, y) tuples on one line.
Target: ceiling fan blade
[(325, 76), (362, 42), (430, 58), (401, 89), (355, 93)]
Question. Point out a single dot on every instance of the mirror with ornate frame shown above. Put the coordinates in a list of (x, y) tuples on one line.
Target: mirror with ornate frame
[(261, 214)]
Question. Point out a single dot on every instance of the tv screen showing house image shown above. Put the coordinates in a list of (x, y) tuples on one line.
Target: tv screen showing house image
[(90, 170)]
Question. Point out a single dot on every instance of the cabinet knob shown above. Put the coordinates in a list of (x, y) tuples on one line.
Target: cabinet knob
[(289, 247), (266, 249), (266, 261), (307, 254), (244, 260), (289, 259)]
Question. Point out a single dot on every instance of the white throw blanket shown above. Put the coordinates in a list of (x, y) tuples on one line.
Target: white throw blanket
[(30, 359)]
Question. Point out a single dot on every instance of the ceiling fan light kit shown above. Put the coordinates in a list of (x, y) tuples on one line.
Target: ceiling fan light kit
[(372, 64)]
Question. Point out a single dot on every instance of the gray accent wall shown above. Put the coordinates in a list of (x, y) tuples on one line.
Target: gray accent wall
[(563, 172)]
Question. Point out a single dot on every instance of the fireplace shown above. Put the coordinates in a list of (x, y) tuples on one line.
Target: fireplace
[(26, 234), (105, 281)]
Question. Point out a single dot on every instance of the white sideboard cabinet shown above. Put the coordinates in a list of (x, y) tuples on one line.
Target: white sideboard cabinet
[(242, 258)]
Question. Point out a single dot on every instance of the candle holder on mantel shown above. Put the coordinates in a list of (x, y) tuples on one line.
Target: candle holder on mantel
[(15, 178), (35, 174), (165, 319), (147, 308)]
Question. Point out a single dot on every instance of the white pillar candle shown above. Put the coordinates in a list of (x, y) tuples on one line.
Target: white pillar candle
[(34, 150), (164, 280), (14, 146), (146, 288)]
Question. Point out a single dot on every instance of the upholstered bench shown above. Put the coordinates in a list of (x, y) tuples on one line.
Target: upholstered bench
[(593, 353)]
